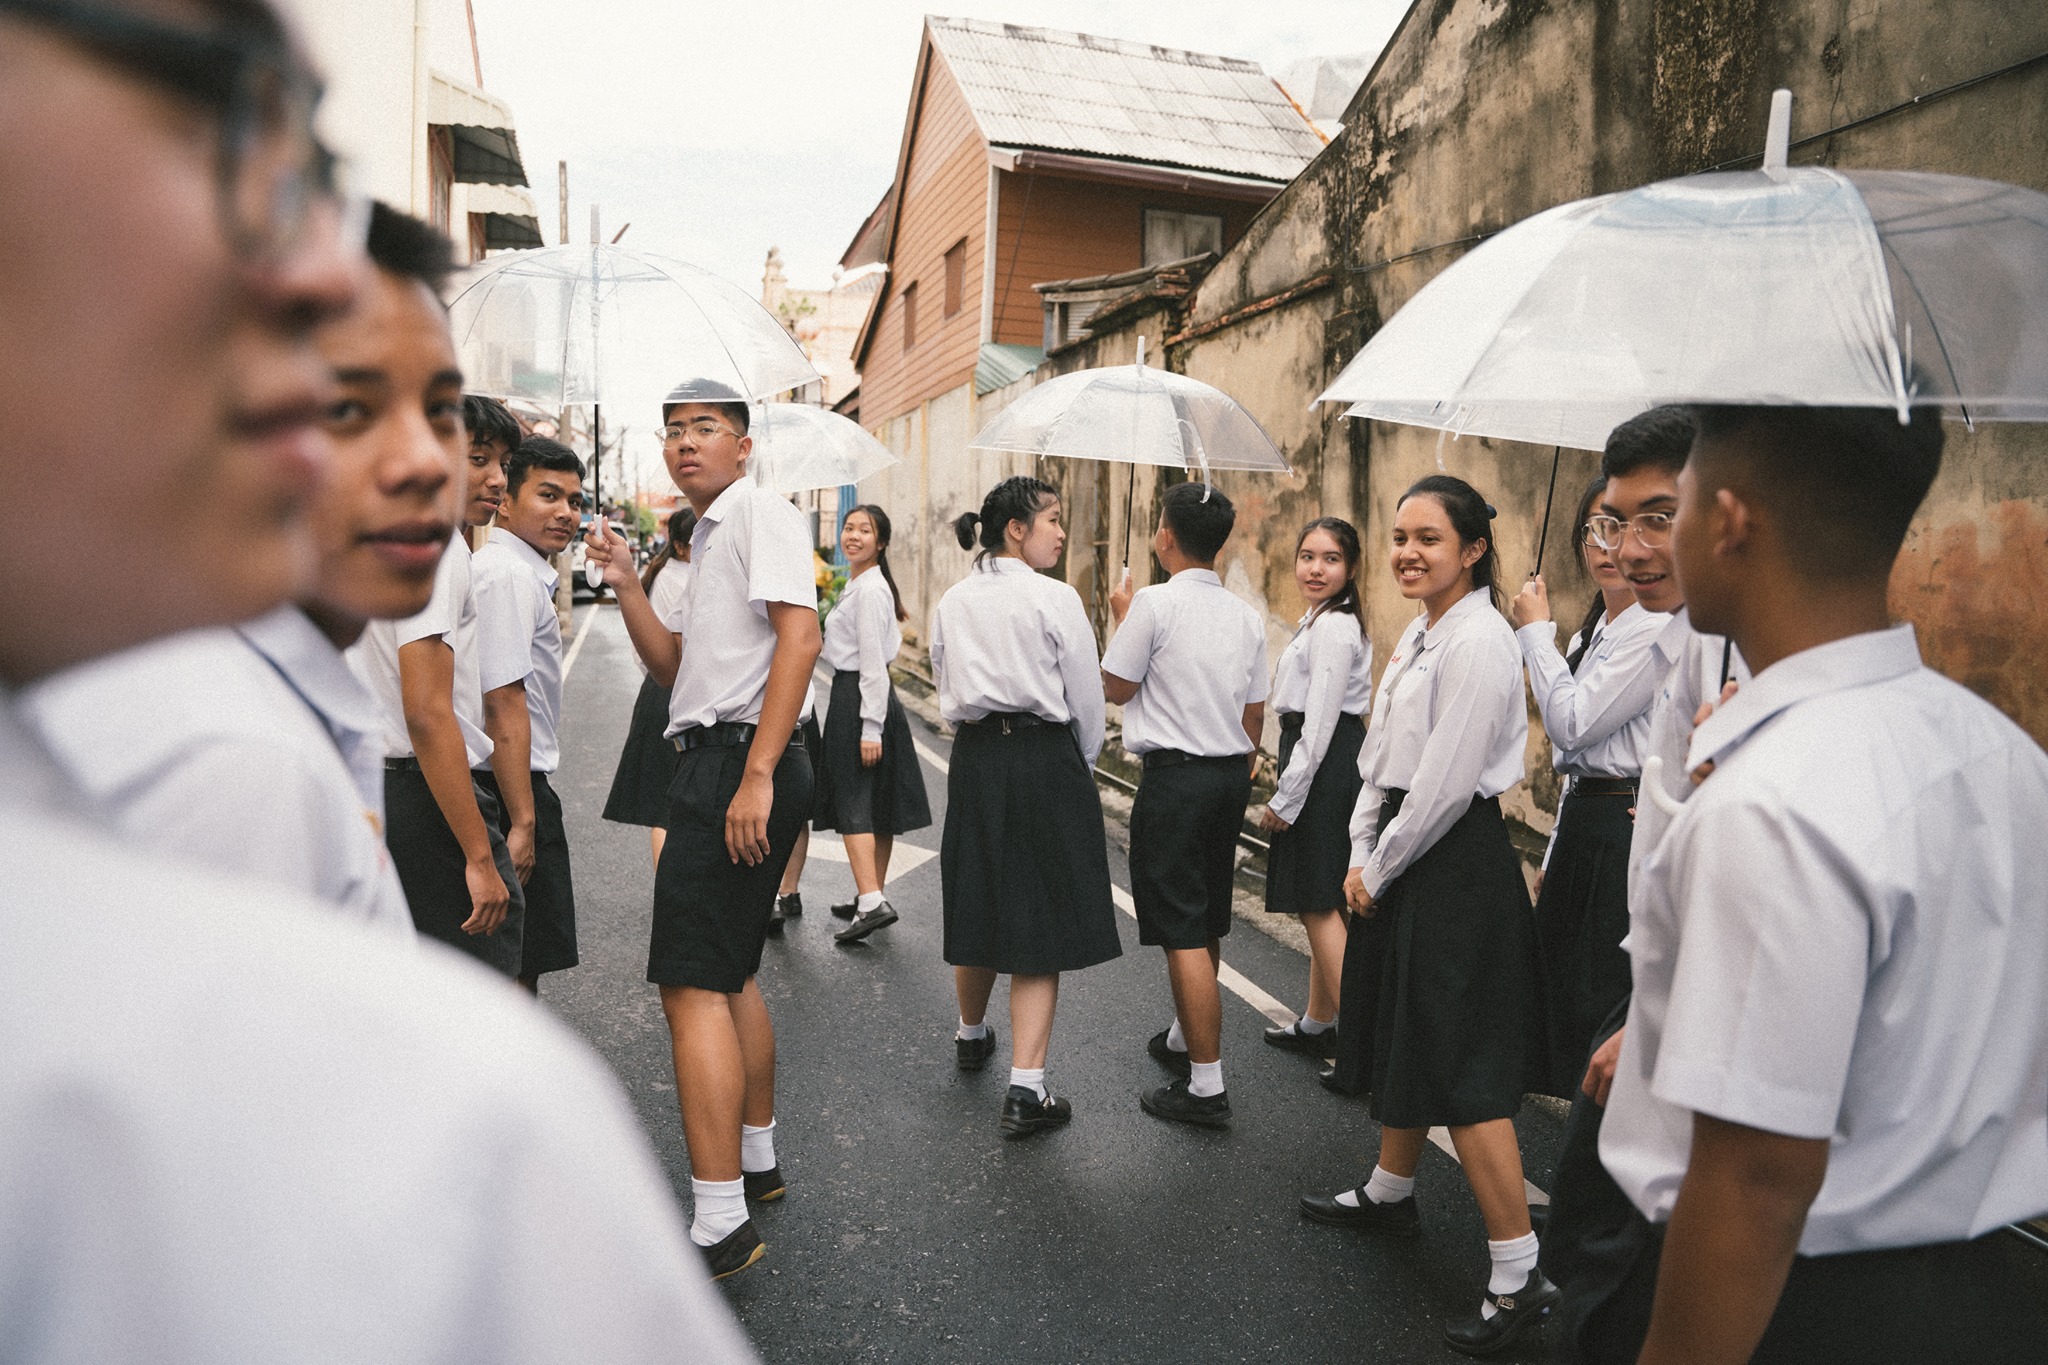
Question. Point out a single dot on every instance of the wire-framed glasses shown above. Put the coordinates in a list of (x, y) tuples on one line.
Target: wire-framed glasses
[(1653, 530)]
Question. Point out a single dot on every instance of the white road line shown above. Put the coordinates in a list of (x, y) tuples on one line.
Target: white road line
[(576, 645), (932, 758)]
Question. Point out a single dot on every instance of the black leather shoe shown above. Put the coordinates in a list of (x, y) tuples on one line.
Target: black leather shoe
[(1176, 1105), (775, 917), (792, 905), (846, 911), (740, 1249), (881, 917), (1513, 1315), (1176, 1062), (1024, 1113), (764, 1187), (1398, 1219), (1327, 1078), (972, 1054), (1292, 1039)]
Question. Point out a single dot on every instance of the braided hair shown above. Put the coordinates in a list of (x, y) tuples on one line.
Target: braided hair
[(1019, 498)]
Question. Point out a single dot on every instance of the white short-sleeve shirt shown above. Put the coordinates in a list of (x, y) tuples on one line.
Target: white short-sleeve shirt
[(519, 635), (751, 549), (1007, 639), (862, 634), (1198, 654), (1844, 935), (1324, 672), (450, 614)]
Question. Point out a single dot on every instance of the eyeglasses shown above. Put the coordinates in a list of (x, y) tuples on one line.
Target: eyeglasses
[(699, 431), (1653, 530), (271, 168)]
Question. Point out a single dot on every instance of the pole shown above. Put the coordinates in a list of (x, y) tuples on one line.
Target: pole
[(562, 180), (1543, 536)]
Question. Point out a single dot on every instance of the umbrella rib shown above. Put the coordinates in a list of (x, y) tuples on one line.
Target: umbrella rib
[(1941, 343), (745, 384)]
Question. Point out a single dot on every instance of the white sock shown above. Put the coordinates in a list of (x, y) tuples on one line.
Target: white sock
[(1312, 1027), (1032, 1078), (721, 1206), (1383, 1188), (757, 1147), (1512, 1262), (1205, 1078), (1175, 1039), (866, 901), (973, 1033)]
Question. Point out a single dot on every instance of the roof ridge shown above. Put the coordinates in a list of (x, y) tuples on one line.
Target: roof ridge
[(1069, 37)]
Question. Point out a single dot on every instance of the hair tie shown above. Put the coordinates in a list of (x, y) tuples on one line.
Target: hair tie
[(1490, 513)]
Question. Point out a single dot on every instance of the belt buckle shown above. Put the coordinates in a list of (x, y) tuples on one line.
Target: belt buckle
[(1005, 723)]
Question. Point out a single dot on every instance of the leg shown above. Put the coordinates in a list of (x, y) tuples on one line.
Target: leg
[(1401, 1151), (861, 857), (1192, 972), (757, 1053), (1032, 1001), (1493, 1165), (1326, 938), (794, 872), (974, 985), (657, 837), (711, 1078), (885, 844)]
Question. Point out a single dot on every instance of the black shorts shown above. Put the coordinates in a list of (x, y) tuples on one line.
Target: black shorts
[(1184, 827), (432, 869), (711, 913), (548, 943)]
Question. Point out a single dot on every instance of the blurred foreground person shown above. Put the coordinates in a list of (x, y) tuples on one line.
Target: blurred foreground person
[(232, 1126)]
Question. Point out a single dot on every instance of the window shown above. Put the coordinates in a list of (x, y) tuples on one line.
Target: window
[(956, 276), (1171, 235), (909, 304)]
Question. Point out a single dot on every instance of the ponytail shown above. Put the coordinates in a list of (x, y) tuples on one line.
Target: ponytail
[(1471, 516), (883, 533), (1019, 498)]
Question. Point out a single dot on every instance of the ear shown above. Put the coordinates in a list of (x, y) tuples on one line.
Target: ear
[(1474, 552), (746, 449), (1731, 525)]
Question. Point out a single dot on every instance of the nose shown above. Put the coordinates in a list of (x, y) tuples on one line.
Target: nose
[(318, 280)]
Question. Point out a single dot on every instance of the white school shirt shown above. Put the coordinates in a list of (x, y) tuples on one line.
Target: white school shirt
[(1007, 639), (1324, 672), (1844, 935), (245, 755), (266, 1134), (862, 633), (1598, 718), (670, 596), (1692, 677), (1448, 724), (1198, 655), (450, 614), (751, 548), (519, 635)]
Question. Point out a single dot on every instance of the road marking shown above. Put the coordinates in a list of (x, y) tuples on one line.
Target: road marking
[(928, 756), (576, 645), (903, 858)]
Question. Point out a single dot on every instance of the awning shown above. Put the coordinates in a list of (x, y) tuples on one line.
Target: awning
[(511, 222), (486, 144)]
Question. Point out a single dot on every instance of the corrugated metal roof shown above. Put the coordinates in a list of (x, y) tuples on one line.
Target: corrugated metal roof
[(998, 365), (1038, 87)]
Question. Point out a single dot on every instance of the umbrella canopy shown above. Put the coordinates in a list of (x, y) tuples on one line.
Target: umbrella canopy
[(1792, 286), (799, 447), (592, 325)]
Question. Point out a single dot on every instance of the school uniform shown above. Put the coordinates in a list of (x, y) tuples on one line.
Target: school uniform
[(1595, 702), (1198, 655), (430, 861), (1440, 1015), (647, 760), (253, 751), (861, 637), (1843, 936), (1322, 690), (1024, 865), (751, 550), (519, 638)]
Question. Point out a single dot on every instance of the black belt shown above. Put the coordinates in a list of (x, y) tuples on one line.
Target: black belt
[(1173, 758), (408, 764), (1007, 722), (1294, 720), (724, 735), (1603, 786)]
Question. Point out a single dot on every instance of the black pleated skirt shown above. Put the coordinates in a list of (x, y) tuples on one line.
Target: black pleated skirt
[(1581, 918), (1441, 1016), (1023, 860), (1305, 870), (647, 763), (888, 798)]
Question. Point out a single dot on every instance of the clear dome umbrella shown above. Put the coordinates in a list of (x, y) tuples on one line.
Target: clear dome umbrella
[(798, 447)]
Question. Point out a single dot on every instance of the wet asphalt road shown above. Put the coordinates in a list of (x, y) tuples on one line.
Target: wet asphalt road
[(913, 1232)]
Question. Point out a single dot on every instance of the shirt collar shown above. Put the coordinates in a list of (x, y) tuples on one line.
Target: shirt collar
[(1008, 564), (722, 504), (315, 669), (526, 554), (1197, 576), (1855, 661), (1477, 600), (1670, 643)]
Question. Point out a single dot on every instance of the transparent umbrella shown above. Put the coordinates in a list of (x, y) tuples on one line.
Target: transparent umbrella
[(799, 447)]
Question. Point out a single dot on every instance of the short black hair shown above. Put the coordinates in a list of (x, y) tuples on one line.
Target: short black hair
[(489, 420), (1200, 518), (1658, 439), (400, 244), (1844, 483), (738, 414), (539, 452)]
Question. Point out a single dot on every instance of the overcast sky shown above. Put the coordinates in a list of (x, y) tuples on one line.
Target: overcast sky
[(719, 128)]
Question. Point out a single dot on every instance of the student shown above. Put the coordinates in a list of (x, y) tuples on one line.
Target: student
[(1452, 1037), (1322, 689), (1596, 710), (441, 826), (1188, 665), (1834, 1085), (1023, 862), (789, 901), (742, 791), (519, 666), (254, 749), (647, 762), (268, 1064), (870, 788)]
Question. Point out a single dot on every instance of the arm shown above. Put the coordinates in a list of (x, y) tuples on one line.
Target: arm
[(1129, 656), (1329, 669), (656, 644), (511, 727), (1080, 677), (1254, 726), (1611, 692), (426, 680), (1732, 1237), (789, 674), (877, 617)]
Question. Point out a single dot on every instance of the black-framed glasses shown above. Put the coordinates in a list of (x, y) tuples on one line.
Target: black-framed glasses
[(271, 169), (1653, 530)]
